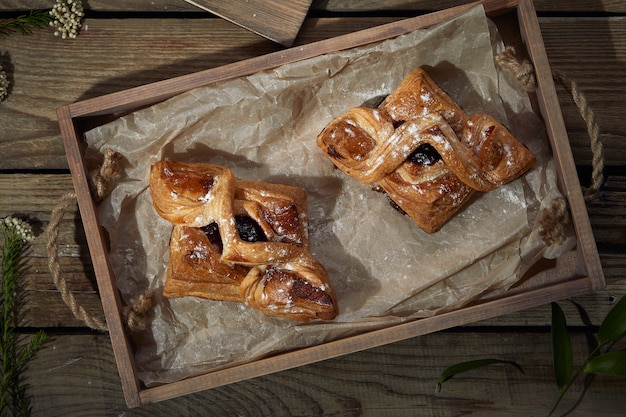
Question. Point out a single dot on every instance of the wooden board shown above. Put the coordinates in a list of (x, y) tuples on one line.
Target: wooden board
[(278, 20), (76, 374)]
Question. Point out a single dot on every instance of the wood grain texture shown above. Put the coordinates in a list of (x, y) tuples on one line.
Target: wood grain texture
[(28, 121), (394, 380), (612, 6), (76, 373), (585, 49), (83, 86), (37, 198), (29, 134), (278, 20), (540, 5), (131, 99)]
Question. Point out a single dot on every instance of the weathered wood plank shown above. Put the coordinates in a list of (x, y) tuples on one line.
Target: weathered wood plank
[(29, 134), (106, 5), (394, 380), (34, 197), (587, 51), (612, 6)]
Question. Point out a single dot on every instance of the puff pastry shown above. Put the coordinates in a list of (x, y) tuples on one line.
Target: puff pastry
[(242, 241), (423, 151)]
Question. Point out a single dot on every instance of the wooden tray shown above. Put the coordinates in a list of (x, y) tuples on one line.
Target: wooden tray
[(576, 272)]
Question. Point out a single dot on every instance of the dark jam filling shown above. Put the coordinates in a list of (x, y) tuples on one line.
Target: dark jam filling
[(487, 132), (300, 288), (248, 229), (208, 184), (424, 155), (392, 203), (212, 233), (398, 123), (333, 152)]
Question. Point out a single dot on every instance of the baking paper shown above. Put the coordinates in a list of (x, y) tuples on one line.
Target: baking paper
[(384, 269)]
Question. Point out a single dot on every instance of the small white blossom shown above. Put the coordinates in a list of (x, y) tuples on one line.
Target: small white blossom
[(67, 18), (21, 228), (4, 84)]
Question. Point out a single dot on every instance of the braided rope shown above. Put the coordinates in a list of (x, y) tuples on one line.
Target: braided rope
[(109, 171), (55, 268), (134, 315), (597, 162), (522, 70), (553, 221), (555, 217)]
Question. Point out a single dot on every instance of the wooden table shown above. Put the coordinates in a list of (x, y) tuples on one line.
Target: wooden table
[(126, 44)]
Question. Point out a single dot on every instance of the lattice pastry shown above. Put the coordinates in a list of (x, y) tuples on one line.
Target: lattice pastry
[(423, 151), (242, 241)]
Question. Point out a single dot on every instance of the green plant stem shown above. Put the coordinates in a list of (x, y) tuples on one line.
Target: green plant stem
[(573, 378), (25, 24), (10, 294), (15, 355), (9, 276)]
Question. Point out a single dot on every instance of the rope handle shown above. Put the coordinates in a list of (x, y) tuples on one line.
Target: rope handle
[(524, 72), (597, 162), (554, 219), (55, 268), (101, 181)]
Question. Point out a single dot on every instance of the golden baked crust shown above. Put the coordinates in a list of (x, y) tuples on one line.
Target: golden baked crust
[(195, 268), (293, 289), (423, 151), (418, 95), (243, 241), (181, 192)]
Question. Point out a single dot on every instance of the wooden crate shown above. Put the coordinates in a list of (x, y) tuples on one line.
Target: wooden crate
[(576, 272)]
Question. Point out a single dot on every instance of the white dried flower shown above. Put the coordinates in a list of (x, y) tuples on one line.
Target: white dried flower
[(22, 228), (67, 18), (4, 84)]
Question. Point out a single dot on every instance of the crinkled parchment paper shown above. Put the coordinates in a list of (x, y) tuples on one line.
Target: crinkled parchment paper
[(383, 267)]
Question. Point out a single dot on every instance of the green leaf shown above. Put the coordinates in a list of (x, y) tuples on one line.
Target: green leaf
[(471, 365), (610, 363), (584, 317), (26, 24), (614, 324), (561, 347)]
